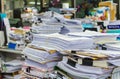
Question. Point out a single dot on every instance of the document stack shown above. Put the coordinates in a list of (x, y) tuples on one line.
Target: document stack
[(45, 28), (39, 62), (90, 64), (49, 14), (49, 17), (11, 69), (112, 46), (73, 25), (17, 39), (96, 36), (62, 42), (43, 53), (54, 19)]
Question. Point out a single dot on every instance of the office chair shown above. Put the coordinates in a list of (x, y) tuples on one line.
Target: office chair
[(116, 73)]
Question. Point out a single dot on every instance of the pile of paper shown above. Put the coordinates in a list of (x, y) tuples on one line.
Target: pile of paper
[(49, 14), (13, 66), (45, 28), (50, 40), (97, 36), (112, 46), (49, 18), (53, 26), (11, 69), (62, 42), (14, 36), (38, 61), (92, 64), (43, 53), (73, 25), (53, 20)]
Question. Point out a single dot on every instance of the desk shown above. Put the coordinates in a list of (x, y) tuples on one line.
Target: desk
[(10, 51), (9, 54)]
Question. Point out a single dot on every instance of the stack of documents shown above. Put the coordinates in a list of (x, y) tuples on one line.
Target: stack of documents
[(62, 42), (53, 18), (112, 46), (16, 37), (49, 14), (38, 61), (45, 28), (12, 66), (16, 76), (33, 73), (97, 36), (39, 55), (43, 53), (73, 25), (92, 64)]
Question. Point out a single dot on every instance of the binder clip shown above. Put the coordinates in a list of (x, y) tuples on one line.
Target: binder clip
[(73, 51), (71, 63), (87, 61)]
